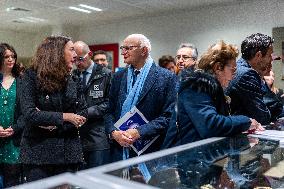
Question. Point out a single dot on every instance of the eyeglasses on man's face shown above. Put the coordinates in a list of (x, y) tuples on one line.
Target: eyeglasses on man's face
[(82, 58), (184, 57), (128, 48)]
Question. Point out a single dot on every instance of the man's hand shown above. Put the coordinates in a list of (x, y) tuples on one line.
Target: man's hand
[(123, 138), (255, 126), (133, 133)]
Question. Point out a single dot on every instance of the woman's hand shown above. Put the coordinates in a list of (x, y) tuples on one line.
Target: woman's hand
[(6, 132), (75, 119)]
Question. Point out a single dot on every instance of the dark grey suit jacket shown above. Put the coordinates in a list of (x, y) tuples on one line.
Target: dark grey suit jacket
[(246, 93)]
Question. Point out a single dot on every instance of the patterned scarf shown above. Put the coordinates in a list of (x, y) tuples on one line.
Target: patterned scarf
[(134, 92), (131, 100)]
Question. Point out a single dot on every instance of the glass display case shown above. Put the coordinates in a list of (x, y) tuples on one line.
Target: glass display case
[(69, 181), (239, 162)]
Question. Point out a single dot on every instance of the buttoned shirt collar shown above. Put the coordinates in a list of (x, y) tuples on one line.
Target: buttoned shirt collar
[(90, 68)]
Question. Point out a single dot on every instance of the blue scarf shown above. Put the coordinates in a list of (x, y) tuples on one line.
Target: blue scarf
[(134, 92), (131, 101)]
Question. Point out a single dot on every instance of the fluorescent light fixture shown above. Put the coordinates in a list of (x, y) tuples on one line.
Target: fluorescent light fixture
[(27, 20), (10, 8), (79, 9), (35, 19), (90, 7)]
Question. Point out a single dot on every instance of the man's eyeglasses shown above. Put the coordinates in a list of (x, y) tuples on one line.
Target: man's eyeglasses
[(128, 48), (184, 57), (81, 58)]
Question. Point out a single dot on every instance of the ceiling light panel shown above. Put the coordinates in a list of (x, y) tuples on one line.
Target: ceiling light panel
[(27, 20), (10, 9), (90, 7), (36, 19), (80, 9), (28, 5)]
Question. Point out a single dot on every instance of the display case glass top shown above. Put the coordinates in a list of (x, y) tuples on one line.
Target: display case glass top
[(238, 162)]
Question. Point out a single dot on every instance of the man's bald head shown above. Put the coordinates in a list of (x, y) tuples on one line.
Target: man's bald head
[(84, 57), (81, 46)]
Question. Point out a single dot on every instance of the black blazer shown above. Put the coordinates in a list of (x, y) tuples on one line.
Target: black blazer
[(18, 124), (61, 145)]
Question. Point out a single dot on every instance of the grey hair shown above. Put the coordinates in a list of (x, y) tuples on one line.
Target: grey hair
[(85, 47), (191, 46), (144, 41)]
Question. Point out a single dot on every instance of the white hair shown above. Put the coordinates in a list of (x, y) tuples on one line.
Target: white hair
[(144, 41)]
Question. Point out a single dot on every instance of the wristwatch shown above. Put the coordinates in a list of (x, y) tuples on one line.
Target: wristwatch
[(110, 137)]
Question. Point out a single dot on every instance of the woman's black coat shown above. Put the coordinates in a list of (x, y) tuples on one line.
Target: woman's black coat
[(42, 146)]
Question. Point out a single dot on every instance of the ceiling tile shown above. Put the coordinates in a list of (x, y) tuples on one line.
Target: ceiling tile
[(56, 12)]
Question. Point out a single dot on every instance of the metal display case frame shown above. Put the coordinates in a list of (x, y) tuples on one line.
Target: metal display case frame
[(77, 182)]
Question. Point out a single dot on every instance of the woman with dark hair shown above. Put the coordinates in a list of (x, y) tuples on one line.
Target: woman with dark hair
[(202, 107), (54, 108), (10, 125)]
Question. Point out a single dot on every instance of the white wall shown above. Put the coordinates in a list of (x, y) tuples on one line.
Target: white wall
[(202, 27), (25, 43), (22, 42)]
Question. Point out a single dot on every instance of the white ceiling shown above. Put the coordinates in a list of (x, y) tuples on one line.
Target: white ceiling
[(57, 13)]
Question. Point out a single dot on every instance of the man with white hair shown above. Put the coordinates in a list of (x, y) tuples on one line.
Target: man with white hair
[(144, 85)]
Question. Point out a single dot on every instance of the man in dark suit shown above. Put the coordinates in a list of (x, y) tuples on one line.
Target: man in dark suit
[(152, 91), (245, 89), (96, 81)]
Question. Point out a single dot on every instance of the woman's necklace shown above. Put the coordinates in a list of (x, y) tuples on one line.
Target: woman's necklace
[(5, 95), (8, 84), (5, 102)]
